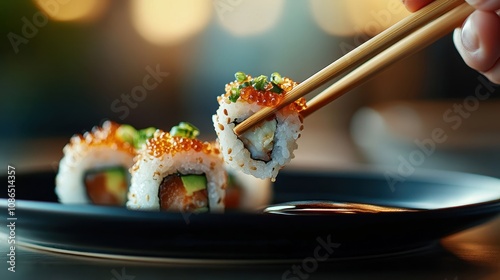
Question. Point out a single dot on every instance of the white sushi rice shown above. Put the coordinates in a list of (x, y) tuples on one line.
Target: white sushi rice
[(79, 157), (289, 126), (149, 172)]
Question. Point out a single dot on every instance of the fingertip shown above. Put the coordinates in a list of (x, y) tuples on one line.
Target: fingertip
[(478, 41), (457, 40), (493, 74), (415, 5), (484, 5)]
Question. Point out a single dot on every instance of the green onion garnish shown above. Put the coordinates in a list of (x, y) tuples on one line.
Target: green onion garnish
[(235, 94), (143, 135), (276, 88), (276, 78), (260, 82), (126, 133), (135, 137), (185, 129), (244, 85), (240, 76)]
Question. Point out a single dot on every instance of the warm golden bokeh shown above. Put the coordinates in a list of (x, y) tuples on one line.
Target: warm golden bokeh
[(356, 16), (72, 10), (166, 22), (245, 18)]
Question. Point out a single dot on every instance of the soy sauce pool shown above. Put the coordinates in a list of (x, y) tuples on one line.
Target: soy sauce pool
[(329, 208)]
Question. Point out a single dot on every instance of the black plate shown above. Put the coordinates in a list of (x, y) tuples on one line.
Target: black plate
[(448, 203)]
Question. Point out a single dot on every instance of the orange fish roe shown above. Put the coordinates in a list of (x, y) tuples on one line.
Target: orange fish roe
[(262, 98), (266, 97), (298, 105), (163, 143), (105, 136)]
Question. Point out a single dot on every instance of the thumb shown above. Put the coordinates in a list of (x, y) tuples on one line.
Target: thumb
[(478, 42), (415, 5), (485, 5)]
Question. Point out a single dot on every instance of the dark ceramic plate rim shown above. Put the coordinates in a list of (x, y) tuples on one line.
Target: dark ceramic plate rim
[(466, 216)]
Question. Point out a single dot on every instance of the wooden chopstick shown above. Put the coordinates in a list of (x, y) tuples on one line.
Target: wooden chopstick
[(405, 47), (354, 58)]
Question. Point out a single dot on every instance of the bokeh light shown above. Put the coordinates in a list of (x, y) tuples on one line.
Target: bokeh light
[(73, 10), (347, 18), (245, 18), (166, 22), (331, 17)]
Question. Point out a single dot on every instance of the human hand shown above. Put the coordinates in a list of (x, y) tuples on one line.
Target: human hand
[(478, 40)]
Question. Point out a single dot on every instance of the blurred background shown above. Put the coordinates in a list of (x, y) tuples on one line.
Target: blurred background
[(67, 65)]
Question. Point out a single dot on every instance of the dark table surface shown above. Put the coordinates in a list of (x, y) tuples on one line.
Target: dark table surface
[(471, 254)]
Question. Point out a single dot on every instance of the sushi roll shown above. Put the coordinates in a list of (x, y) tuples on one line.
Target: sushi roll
[(176, 172), (245, 192), (266, 148), (94, 167)]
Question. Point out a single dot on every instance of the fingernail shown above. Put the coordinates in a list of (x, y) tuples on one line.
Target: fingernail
[(470, 41)]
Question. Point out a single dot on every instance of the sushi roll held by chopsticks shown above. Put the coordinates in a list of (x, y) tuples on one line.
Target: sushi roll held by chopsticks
[(264, 149), (177, 172)]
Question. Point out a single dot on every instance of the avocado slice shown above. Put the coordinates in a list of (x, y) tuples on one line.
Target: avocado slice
[(116, 181), (194, 183), (107, 186)]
